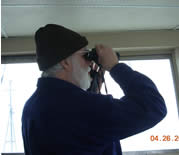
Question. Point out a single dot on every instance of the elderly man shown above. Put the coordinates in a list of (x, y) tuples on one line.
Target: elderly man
[(62, 118)]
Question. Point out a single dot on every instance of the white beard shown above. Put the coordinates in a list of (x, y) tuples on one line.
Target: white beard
[(80, 75)]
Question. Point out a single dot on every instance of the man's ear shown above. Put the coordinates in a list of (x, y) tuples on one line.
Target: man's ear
[(65, 64)]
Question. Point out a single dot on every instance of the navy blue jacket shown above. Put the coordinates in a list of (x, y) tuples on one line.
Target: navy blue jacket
[(62, 119)]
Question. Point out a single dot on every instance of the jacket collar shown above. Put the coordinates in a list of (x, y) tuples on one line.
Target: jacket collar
[(50, 82)]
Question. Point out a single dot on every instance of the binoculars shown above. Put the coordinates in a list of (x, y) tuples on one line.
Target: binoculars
[(92, 56)]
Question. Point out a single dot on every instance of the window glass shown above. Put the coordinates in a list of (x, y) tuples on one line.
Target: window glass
[(165, 135), (18, 82)]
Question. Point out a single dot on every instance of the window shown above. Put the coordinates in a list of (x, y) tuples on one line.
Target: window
[(18, 82), (167, 131)]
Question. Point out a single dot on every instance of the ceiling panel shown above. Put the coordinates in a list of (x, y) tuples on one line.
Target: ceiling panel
[(100, 3), (23, 18)]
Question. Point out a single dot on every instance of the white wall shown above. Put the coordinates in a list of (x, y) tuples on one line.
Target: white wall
[(124, 41)]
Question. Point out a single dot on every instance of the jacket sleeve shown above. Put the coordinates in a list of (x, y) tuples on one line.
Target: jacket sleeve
[(141, 108)]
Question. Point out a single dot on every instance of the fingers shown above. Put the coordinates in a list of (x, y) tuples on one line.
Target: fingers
[(107, 57), (99, 49)]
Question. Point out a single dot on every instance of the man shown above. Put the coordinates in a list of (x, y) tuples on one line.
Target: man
[(62, 118)]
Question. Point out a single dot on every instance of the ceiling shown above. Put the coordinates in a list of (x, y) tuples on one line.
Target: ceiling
[(24, 17)]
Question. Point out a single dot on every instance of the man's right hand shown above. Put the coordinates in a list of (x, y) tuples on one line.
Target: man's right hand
[(107, 57)]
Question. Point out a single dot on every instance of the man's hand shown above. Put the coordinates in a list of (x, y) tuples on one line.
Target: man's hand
[(107, 57)]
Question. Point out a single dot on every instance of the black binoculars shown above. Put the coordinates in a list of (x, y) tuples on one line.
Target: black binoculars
[(92, 56)]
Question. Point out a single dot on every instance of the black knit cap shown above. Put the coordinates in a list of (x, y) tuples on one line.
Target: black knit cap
[(55, 43)]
